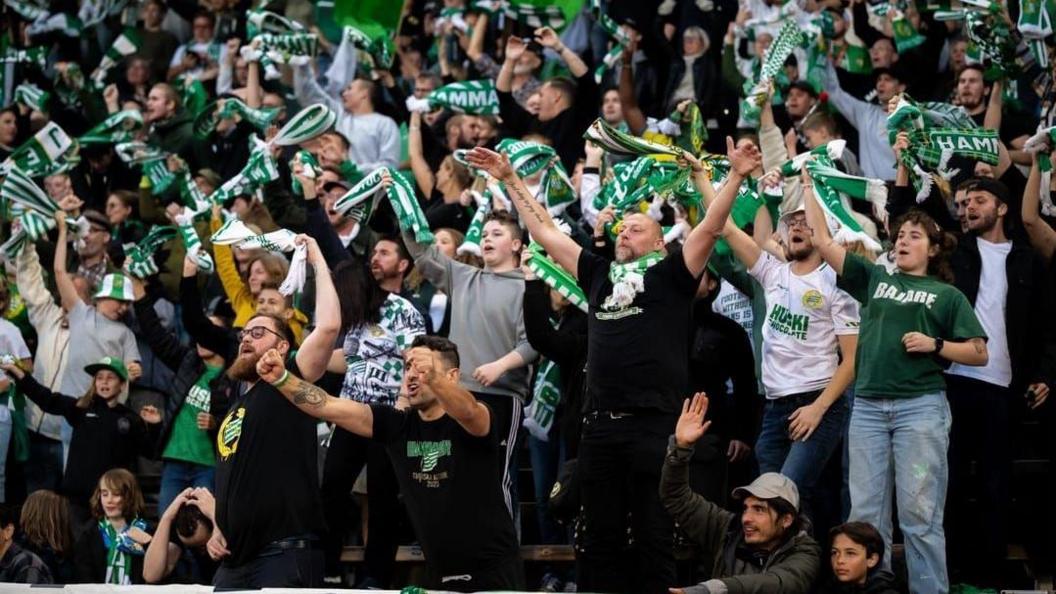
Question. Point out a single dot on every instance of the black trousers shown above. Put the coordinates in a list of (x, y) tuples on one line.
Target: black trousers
[(624, 539), (289, 568), (980, 433), (345, 458), (507, 414)]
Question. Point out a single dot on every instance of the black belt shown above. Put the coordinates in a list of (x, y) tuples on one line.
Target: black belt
[(287, 544)]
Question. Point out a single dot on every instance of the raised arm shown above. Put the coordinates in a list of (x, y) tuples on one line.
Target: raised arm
[(540, 225), (456, 401), (547, 37), (423, 174), (702, 238), (632, 113), (67, 292), (314, 401), (308, 90), (48, 401), (476, 42), (832, 252), (1041, 235), (315, 351), (29, 276), (162, 555)]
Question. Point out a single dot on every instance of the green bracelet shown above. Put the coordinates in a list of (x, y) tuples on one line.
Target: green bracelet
[(282, 380)]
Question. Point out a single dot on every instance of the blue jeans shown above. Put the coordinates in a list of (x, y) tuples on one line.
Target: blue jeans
[(547, 457), (177, 475), (801, 461), (900, 445)]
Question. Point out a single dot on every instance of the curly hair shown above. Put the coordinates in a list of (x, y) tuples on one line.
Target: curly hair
[(938, 264)]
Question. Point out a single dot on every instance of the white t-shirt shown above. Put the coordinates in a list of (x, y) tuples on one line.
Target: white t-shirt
[(11, 341), (736, 306), (990, 309), (804, 314)]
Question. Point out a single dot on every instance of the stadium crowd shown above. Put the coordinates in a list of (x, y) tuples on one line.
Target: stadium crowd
[(751, 285)]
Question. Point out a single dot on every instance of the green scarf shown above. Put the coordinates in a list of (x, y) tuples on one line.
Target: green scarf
[(260, 169), (830, 184), (18, 188), (546, 395), (125, 45), (1041, 144), (906, 36), (476, 97), (140, 256), (618, 36), (787, 40), (621, 143), (117, 128), (363, 197), (305, 125), (471, 243), (67, 24), (628, 280), (32, 97), (555, 277), (41, 153), (192, 243), (310, 169), (119, 550), (292, 48)]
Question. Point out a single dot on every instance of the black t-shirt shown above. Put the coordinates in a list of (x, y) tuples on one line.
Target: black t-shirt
[(194, 566), (451, 483), (267, 482), (636, 356)]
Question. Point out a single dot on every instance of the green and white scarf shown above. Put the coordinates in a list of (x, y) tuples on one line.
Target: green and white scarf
[(618, 36), (557, 278), (34, 225), (193, 95), (621, 143), (528, 158), (692, 132), (1042, 144), (454, 16), (27, 9), (260, 169), (906, 36), (309, 167), (628, 280), (125, 45), (305, 125), (34, 56), (115, 129), (264, 21), (192, 243), (526, 14), (67, 24), (290, 48), (32, 97), (93, 12), (139, 257), (230, 108), (476, 97), (830, 184), (787, 40), (832, 149), (119, 551), (18, 188), (363, 197), (1035, 24), (471, 243), (546, 395), (152, 161), (235, 233)]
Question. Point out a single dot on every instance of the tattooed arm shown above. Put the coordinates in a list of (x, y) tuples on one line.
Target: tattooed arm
[(312, 400), (540, 225)]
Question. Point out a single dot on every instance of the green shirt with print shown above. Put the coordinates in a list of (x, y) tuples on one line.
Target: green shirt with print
[(892, 305), (187, 442)]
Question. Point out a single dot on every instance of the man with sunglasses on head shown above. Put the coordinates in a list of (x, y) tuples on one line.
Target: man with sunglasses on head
[(268, 513)]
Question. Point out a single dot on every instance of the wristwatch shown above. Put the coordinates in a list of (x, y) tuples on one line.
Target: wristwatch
[(938, 345)]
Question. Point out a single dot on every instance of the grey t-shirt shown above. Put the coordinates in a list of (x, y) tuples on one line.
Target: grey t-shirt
[(92, 337)]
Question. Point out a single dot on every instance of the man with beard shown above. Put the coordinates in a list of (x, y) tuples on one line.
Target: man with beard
[(268, 513), (1005, 280), (448, 456), (974, 95), (171, 128), (809, 324), (638, 336)]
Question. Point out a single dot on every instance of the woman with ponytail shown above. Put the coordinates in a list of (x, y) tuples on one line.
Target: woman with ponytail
[(914, 322)]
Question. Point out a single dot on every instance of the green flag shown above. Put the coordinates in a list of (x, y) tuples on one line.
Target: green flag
[(376, 18)]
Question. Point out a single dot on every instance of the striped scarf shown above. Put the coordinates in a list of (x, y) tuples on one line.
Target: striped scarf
[(476, 97), (192, 243), (618, 36), (305, 125), (117, 128), (260, 169), (525, 14), (1042, 144), (628, 280), (555, 277), (362, 199), (32, 97), (18, 188), (830, 185), (773, 63), (125, 45), (139, 257), (621, 143)]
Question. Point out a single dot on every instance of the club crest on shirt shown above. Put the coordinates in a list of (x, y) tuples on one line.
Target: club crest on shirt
[(429, 451), (813, 299), (230, 432)]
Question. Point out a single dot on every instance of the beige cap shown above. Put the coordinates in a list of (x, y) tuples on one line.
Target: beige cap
[(770, 485)]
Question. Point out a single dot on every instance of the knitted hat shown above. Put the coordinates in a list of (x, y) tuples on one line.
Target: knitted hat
[(115, 286), (112, 363)]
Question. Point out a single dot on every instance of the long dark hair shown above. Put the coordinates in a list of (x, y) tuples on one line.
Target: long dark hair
[(360, 295)]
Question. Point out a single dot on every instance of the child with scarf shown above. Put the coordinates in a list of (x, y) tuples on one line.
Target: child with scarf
[(110, 549)]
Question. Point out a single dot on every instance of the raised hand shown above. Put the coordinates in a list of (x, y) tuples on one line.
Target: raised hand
[(150, 414), (743, 160), (547, 37), (495, 164), (515, 47), (691, 425), (270, 367)]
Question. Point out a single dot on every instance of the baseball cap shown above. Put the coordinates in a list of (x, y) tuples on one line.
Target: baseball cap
[(804, 86), (97, 218), (112, 363), (115, 286), (986, 184), (339, 183), (770, 485), (895, 71)]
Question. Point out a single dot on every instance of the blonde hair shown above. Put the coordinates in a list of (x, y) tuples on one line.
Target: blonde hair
[(45, 521)]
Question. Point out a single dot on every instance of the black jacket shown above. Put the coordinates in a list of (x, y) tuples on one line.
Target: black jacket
[(879, 582), (705, 80), (104, 437), (564, 131), (1030, 331), (188, 366), (565, 345), (89, 558)]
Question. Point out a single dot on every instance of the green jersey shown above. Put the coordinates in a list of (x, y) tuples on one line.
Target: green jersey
[(187, 442), (892, 305)]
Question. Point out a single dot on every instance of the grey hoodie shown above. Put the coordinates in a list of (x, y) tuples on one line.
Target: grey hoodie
[(486, 316)]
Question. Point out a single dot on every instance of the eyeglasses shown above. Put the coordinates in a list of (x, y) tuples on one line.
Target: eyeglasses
[(797, 223), (257, 332)]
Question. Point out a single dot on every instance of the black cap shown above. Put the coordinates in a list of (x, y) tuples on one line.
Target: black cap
[(804, 86), (341, 183), (97, 218), (988, 185), (895, 71)]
